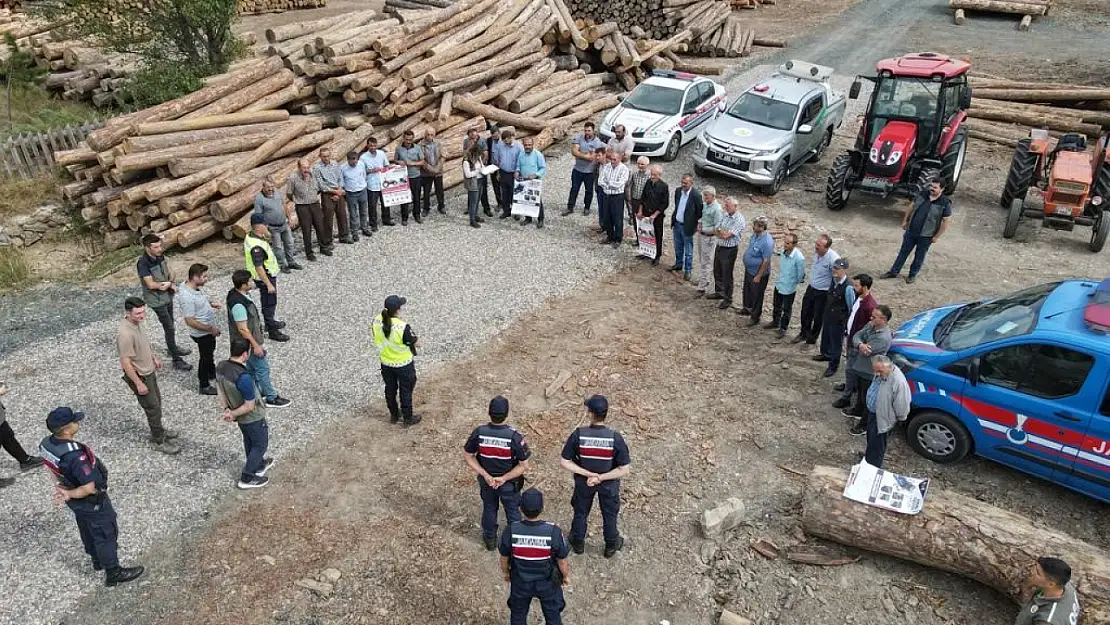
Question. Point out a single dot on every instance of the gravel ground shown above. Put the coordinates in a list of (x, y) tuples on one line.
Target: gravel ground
[(464, 286)]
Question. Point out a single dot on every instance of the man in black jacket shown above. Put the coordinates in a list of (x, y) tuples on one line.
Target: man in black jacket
[(684, 223), (653, 206), (836, 318)]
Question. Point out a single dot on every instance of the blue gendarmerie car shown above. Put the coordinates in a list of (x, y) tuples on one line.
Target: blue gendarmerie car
[(1023, 380)]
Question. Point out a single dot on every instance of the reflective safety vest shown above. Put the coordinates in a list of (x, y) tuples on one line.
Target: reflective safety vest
[(270, 264), (391, 350)]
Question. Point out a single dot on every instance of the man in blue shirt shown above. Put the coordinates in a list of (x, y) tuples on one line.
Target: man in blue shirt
[(817, 292), (242, 404), (584, 147), (505, 154), (412, 156), (925, 220), (792, 272), (354, 186), (757, 269), (530, 165)]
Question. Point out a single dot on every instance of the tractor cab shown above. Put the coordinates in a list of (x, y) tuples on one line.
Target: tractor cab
[(912, 129)]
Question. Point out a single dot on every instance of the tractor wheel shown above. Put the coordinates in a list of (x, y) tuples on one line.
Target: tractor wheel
[(923, 179), (1099, 232), (1101, 187), (1013, 218), (1023, 167), (953, 162), (838, 189)]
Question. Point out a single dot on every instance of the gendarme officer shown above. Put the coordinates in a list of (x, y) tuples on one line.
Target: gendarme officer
[(598, 458), (534, 562), (83, 486), (397, 343), (498, 454)]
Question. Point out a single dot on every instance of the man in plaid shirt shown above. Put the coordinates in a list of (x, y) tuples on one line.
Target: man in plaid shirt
[(635, 193)]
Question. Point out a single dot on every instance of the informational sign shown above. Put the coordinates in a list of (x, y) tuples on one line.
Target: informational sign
[(526, 198), (875, 487), (395, 185), (645, 231), (489, 169)]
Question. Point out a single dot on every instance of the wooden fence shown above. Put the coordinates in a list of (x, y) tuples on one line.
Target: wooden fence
[(28, 155)]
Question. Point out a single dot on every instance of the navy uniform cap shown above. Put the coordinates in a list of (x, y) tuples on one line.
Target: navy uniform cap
[(598, 404), (840, 263), (498, 406), (531, 500), (62, 416), (257, 218), (394, 302)]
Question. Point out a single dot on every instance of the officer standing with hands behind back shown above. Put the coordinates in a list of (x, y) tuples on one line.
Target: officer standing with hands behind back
[(83, 486), (396, 345), (498, 454), (534, 562), (598, 458)]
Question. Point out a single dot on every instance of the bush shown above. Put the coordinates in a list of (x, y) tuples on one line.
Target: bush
[(15, 271), (159, 82)]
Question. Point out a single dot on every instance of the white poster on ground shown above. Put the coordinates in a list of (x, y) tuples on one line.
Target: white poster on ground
[(645, 231), (876, 487), (526, 198), (395, 185)]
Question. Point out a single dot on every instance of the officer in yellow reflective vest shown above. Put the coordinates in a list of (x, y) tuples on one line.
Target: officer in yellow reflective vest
[(396, 345), (264, 269)]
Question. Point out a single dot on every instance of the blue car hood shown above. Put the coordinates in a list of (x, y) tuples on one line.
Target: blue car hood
[(915, 337)]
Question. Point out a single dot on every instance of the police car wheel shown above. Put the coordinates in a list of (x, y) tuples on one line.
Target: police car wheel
[(672, 147), (938, 436)]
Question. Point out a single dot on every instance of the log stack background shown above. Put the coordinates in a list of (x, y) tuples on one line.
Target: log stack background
[(253, 7), (1028, 9), (1002, 111)]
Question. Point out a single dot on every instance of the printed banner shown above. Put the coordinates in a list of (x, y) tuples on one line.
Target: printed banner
[(527, 195), (875, 487), (395, 185), (645, 231)]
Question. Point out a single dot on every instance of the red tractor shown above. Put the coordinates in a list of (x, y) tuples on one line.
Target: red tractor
[(913, 130)]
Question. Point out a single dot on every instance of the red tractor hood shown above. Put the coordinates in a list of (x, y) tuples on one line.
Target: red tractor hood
[(892, 149)]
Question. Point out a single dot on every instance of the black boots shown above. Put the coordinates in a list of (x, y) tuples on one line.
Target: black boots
[(122, 575)]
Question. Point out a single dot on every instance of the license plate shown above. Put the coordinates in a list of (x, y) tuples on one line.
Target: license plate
[(728, 158), (1063, 210)]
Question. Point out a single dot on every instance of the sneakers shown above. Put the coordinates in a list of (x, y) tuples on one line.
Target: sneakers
[(167, 447), (266, 464), (841, 403), (181, 365), (32, 462), (170, 434), (910, 279), (888, 275), (849, 413), (490, 542), (857, 430), (611, 550), (122, 575), (413, 420), (208, 390), (257, 481), (278, 402), (798, 339), (578, 546)]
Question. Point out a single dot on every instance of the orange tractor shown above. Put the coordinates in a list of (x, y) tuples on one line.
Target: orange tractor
[(1073, 180)]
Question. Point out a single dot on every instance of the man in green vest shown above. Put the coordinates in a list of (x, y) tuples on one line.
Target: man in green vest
[(159, 288), (239, 395), (243, 323), (263, 268)]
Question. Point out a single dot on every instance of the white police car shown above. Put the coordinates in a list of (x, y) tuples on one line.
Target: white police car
[(666, 111)]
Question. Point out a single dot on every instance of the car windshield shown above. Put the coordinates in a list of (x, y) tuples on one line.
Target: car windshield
[(906, 97), (991, 320), (655, 99), (764, 111)]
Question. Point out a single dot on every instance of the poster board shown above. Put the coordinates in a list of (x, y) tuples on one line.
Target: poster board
[(527, 195), (395, 185), (645, 233), (880, 488)]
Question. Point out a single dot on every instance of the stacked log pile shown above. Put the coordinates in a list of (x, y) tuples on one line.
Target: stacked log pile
[(1002, 111), (253, 7), (1028, 9), (189, 169)]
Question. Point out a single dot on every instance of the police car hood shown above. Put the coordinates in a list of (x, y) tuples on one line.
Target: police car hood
[(747, 135), (915, 337), (636, 120)]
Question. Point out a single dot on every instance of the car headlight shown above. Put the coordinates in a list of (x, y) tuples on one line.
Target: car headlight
[(1096, 200), (893, 158), (653, 134), (874, 155), (703, 140), (764, 153)]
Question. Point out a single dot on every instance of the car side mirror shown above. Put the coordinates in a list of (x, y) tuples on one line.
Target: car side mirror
[(973, 372), (621, 97), (805, 129), (853, 91), (965, 98)]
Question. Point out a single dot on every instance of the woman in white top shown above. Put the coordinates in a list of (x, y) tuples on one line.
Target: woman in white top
[(472, 177)]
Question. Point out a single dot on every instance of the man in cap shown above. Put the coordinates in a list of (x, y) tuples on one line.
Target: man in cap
[(534, 563), (262, 266), (270, 204), (242, 402), (498, 454), (837, 305), (598, 458), (83, 486)]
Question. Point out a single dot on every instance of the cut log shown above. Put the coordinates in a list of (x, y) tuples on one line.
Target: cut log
[(234, 101), (1036, 120), (1000, 6), (958, 534), (560, 7), (1026, 22), (300, 29), (277, 99), (1044, 95), (532, 77), (959, 17), (132, 145), (552, 87), (467, 105), (215, 121), (501, 70)]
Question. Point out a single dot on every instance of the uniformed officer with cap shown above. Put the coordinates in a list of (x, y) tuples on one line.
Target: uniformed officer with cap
[(598, 458), (498, 454), (83, 486), (396, 345), (534, 562)]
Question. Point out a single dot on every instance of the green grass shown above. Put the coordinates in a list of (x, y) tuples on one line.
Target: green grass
[(19, 196), (15, 271), (111, 261), (33, 109)]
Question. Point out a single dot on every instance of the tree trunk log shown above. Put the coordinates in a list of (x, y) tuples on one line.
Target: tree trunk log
[(552, 87), (1054, 121), (999, 6), (1045, 95), (569, 91), (587, 111), (560, 7), (231, 184), (300, 29), (234, 101), (157, 158), (147, 143), (275, 100), (216, 121), (958, 534), (494, 72), (467, 105)]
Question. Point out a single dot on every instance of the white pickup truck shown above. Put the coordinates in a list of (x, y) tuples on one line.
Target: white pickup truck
[(773, 128)]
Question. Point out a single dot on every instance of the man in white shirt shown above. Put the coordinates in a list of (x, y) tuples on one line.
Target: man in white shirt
[(374, 161), (612, 179)]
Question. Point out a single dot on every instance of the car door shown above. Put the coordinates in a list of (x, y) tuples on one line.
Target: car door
[(806, 143), (1091, 472), (1026, 398), (696, 96)]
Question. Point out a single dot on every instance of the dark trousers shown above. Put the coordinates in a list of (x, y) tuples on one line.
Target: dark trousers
[(431, 182), (206, 362), (781, 308), (495, 182), (335, 212), (509, 499), (614, 217), (910, 242), (724, 261), (813, 313), (876, 442), (832, 341), (400, 380), (753, 295), (582, 500), (269, 303), (165, 317), (416, 185), (550, 596), (483, 191), (311, 217), (373, 201), (11, 444), (856, 383), (256, 440), (151, 404), (99, 533), (581, 179), (508, 181), (657, 226)]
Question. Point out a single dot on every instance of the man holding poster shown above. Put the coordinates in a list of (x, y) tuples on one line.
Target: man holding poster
[(396, 190), (530, 166), (412, 156), (653, 205)]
